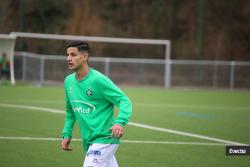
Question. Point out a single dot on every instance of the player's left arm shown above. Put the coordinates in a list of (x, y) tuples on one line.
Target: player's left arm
[(116, 96)]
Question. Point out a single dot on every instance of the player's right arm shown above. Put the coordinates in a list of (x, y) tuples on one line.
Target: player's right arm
[(70, 119)]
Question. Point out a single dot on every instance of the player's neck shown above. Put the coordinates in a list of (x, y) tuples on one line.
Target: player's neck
[(82, 72)]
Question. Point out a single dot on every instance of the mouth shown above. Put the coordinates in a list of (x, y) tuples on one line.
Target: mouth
[(70, 65)]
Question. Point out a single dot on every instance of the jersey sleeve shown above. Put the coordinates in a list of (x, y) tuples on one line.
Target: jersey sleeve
[(115, 95), (70, 118)]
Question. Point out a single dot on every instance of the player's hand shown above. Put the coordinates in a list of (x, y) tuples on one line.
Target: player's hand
[(65, 145), (117, 131)]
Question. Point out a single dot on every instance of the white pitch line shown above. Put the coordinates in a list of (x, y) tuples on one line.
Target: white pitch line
[(172, 142), (32, 108), (184, 133), (32, 138), (133, 124), (123, 141), (157, 105)]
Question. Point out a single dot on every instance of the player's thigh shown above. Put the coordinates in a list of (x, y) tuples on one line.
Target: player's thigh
[(101, 155)]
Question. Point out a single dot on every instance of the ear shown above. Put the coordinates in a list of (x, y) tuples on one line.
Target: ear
[(85, 56)]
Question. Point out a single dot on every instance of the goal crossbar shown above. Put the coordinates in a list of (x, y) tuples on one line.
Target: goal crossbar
[(91, 38)]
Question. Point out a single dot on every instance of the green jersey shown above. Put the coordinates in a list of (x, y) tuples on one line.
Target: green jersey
[(90, 102), (4, 64)]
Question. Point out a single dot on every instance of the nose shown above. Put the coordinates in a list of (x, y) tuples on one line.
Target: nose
[(68, 58)]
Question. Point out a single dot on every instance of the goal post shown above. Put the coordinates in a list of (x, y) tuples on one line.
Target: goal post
[(165, 43), (7, 46)]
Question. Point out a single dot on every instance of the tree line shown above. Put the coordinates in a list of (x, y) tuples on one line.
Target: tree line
[(197, 29)]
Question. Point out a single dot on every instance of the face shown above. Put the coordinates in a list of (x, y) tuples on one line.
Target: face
[(75, 58)]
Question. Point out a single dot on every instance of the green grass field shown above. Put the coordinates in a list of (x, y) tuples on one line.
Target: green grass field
[(218, 114)]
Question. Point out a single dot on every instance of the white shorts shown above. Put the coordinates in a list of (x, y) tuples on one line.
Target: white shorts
[(101, 155)]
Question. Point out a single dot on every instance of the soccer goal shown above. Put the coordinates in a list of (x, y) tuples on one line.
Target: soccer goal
[(7, 46), (165, 74)]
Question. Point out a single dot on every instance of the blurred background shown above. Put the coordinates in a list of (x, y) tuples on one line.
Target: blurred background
[(198, 30), (202, 57)]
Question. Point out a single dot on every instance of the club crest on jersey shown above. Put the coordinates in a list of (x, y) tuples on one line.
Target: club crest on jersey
[(89, 92)]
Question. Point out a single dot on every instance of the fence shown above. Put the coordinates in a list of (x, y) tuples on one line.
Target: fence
[(52, 69)]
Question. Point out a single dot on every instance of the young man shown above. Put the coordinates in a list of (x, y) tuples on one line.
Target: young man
[(90, 99)]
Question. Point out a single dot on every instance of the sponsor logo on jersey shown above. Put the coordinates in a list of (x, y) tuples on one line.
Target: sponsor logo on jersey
[(83, 108), (70, 90)]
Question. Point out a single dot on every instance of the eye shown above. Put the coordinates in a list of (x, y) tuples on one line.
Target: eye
[(73, 54)]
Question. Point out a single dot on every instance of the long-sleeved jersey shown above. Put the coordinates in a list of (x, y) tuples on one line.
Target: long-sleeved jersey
[(91, 101)]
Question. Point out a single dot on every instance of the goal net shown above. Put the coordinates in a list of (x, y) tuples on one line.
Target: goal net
[(123, 68)]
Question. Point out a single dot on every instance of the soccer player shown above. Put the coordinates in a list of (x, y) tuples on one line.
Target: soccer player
[(90, 99), (4, 67)]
